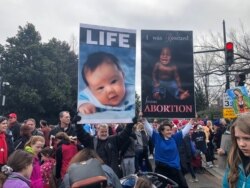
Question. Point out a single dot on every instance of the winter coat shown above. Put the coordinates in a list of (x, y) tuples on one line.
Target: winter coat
[(111, 145), (70, 130), (243, 181), (64, 153), (36, 176), (185, 150), (16, 180)]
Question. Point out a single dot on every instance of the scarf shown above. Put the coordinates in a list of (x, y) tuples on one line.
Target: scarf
[(3, 149)]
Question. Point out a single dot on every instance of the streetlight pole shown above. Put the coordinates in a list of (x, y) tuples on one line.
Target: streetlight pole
[(3, 94), (226, 64)]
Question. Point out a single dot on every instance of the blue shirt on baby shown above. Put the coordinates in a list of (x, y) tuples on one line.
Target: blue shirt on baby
[(127, 104)]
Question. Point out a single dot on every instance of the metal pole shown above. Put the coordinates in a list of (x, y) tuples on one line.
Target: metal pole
[(226, 64)]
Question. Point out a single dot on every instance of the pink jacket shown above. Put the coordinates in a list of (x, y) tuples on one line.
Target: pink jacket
[(36, 176)]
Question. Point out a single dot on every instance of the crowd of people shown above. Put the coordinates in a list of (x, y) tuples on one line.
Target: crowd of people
[(99, 155)]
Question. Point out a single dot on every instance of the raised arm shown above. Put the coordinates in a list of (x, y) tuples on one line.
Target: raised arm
[(84, 138), (124, 135), (187, 128), (148, 127)]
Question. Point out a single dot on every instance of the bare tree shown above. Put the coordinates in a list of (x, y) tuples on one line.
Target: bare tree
[(210, 67)]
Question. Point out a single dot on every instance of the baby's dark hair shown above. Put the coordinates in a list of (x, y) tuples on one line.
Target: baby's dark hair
[(96, 59), (48, 152)]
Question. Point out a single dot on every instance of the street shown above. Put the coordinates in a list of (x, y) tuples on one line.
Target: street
[(206, 180)]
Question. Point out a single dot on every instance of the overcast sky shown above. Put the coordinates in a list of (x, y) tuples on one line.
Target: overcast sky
[(61, 18)]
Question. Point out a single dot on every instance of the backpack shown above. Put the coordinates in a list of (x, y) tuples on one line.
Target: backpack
[(87, 174)]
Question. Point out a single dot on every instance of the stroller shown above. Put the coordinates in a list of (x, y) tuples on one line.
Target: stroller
[(158, 180)]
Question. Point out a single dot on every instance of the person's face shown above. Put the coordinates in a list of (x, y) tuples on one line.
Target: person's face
[(106, 83), (174, 129), (12, 120), (27, 171), (102, 133), (3, 126), (31, 124), (243, 141), (44, 158), (167, 132), (165, 56), (65, 119), (37, 147), (155, 125)]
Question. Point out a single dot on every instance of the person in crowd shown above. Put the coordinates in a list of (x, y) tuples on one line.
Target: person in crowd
[(143, 182), (151, 146), (186, 154), (167, 159), (6, 144), (46, 130), (65, 150), (63, 126), (218, 131), (141, 149), (86, 154), (14, 126), (47, 156), (237, 174), (25, 134), (199, 138), (127, 153), (34, 146), (210, 144), (106, 146), (18, 170), (34, 131)]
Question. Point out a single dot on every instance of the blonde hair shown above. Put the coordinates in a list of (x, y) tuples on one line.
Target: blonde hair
[(34, 139), (139, 126), (234, 158)]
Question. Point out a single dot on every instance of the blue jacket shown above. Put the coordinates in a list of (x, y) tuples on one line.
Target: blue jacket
[(243, 181)]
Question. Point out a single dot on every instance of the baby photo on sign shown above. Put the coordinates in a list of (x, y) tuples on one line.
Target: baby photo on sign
[(167, 74), (106, 75)]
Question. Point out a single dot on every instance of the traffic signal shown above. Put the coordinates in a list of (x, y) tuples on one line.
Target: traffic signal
[(242, 79), (229, 53)]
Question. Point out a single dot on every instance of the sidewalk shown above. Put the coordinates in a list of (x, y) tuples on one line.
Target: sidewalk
[(219, 166)]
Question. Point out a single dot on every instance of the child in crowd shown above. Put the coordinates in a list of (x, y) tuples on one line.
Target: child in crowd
[(66, 149), (18, 170), (106, 89), (47, 167), (237, 174), (166, 78), (34, 146)]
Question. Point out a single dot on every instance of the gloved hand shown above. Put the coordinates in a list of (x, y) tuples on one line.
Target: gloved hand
[(134, 120), (76, 118), (131, 125)]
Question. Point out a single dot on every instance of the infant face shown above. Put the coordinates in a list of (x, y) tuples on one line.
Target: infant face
[(106, 83), (165, 56)]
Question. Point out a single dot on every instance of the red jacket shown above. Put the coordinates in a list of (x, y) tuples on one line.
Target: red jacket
[(64, 154)]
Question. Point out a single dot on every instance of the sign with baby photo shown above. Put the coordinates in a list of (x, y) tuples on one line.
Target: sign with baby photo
[(167, 74), (106, 75)]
